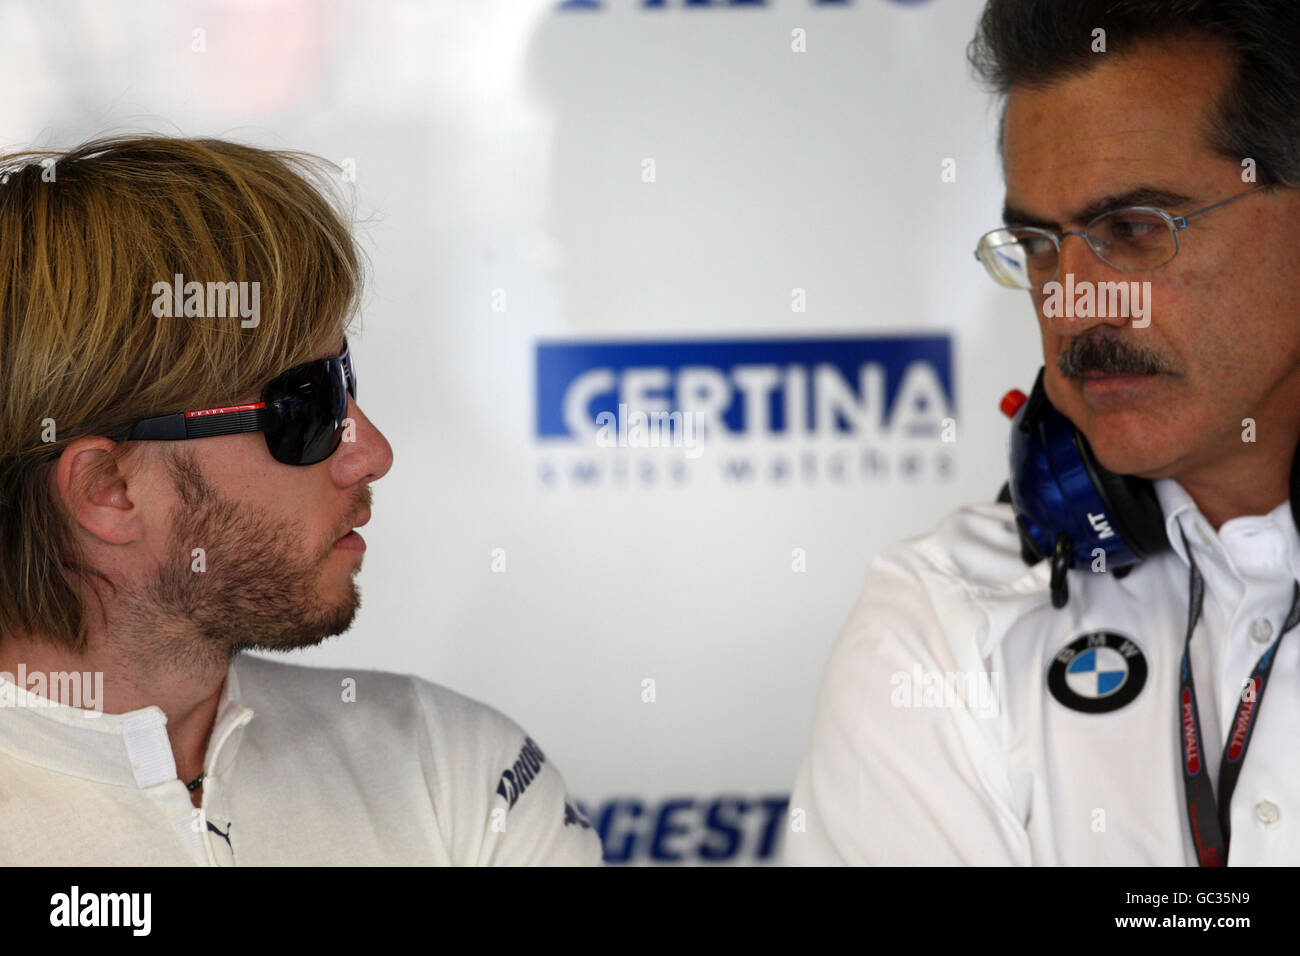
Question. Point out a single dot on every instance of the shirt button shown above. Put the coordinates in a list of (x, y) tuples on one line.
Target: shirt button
[(1261, 629), (1266, 812)]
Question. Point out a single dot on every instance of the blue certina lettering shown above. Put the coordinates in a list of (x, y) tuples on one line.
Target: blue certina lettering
[(863, 387)]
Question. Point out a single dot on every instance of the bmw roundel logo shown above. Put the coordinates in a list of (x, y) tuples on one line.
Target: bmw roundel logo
[(1097, 672)]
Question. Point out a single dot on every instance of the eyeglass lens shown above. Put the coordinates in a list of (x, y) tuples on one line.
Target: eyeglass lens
[(1132, 240)]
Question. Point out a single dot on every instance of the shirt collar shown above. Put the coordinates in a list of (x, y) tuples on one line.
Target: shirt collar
[(125, 750), (1258, 545)]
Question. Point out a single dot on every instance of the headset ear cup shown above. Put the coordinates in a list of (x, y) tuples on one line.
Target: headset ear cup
[(1058, 487), (1130, 502)]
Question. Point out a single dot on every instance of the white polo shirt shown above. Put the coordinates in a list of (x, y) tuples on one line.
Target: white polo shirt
[(407, 773), (908, 765)]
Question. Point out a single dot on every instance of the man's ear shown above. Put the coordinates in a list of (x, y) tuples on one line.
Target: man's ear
[(93, 485)]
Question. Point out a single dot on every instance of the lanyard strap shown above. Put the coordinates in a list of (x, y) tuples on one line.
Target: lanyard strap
[(1210, 819)]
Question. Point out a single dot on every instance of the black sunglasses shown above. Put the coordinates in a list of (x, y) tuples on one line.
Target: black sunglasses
[(301, 413)]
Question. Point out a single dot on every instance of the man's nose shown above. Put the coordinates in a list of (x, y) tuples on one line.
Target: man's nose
[(1081, 262), (367, 457)]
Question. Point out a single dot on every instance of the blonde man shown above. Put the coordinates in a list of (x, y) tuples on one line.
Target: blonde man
[(183, 465)]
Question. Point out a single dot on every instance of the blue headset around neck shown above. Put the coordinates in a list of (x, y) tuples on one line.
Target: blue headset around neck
[(1068, 507)]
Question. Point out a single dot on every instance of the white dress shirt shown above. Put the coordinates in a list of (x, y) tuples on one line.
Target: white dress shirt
[(406, 773), (999, 770)]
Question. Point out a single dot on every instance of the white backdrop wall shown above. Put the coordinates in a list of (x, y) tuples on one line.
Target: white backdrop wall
[(766, 210)]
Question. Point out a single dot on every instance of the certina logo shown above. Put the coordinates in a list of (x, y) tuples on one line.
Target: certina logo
[(1097, 672), (748, 411)]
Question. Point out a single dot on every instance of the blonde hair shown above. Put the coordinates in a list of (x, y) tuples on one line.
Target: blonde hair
[(84, 237)]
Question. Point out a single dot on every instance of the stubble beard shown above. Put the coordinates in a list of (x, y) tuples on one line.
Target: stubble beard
[(258, 589)]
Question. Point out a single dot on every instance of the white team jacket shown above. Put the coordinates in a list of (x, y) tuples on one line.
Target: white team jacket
[(908, 765), (410, 773)]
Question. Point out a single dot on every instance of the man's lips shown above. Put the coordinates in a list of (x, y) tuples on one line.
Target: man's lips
[(352, 535), (1102, 391), (350, 542)]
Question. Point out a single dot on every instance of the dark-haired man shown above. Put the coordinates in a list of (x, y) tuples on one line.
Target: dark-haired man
[(980, 711)]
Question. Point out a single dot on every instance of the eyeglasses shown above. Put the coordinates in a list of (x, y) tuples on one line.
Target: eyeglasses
[(1132, 239), (302, 412)]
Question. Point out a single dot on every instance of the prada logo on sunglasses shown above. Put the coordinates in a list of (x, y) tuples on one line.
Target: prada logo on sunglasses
[(223, 410)]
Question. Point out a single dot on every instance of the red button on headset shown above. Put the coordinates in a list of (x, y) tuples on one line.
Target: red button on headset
[(1012, 401)]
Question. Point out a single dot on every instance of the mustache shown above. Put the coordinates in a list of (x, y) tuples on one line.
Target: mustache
[(1108, 356)]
